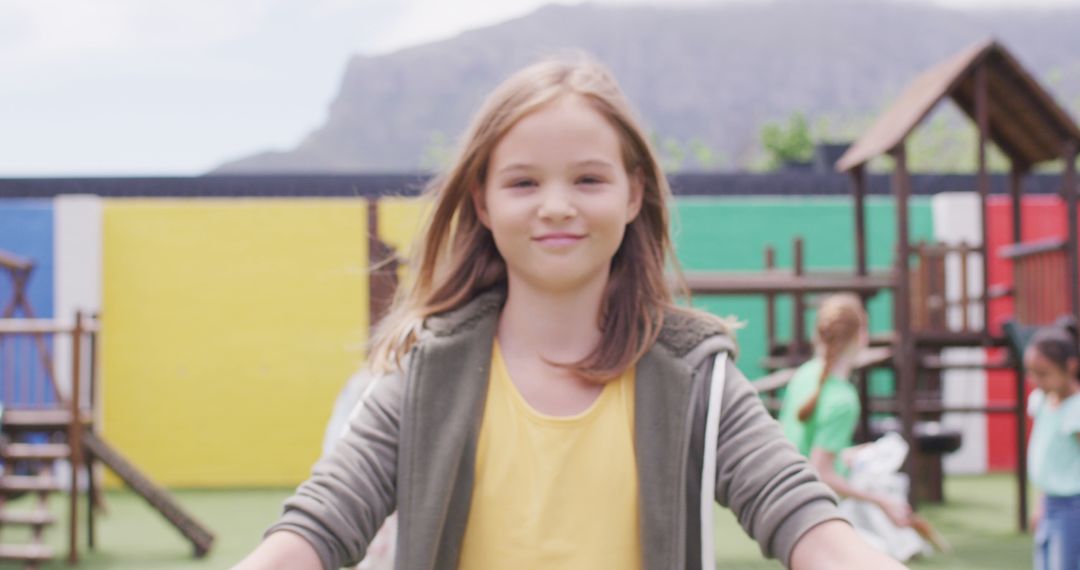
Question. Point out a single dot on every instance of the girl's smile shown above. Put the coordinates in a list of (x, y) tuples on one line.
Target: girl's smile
[(558, 240)]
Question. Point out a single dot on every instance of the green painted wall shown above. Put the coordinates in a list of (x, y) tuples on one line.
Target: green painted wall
[(732, 233)]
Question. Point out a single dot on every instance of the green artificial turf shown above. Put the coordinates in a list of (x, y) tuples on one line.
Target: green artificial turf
[(979, 521), (131, 535)]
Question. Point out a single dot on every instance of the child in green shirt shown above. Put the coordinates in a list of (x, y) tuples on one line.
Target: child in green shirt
[(821, 408)]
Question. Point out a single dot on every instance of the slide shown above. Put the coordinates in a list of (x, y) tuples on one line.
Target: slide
[(159, 498)]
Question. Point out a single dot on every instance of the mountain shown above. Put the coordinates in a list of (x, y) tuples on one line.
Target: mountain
[(714, 73)]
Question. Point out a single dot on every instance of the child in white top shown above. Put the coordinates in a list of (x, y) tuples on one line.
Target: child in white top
[(1052, 362)]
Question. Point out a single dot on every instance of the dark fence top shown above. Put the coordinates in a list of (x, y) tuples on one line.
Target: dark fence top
[(784, 183)]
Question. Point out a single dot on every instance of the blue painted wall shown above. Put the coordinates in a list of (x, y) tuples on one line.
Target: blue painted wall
[(26, 230)]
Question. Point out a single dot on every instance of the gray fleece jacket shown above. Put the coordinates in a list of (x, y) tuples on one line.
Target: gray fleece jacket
[(411, 446)]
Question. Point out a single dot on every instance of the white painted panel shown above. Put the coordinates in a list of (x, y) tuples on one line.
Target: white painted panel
[(956, 219), (77, 238)]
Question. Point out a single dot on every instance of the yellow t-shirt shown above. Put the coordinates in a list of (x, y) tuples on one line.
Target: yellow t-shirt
[(558, 493)]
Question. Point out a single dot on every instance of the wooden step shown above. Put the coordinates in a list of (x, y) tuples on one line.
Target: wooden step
[(26, 552), (26, 518), (28, 483), (17, 451), (38, 420), (934, 363)]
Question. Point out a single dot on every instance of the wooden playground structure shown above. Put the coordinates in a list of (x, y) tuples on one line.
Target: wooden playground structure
[(934, 309), (45, 427)]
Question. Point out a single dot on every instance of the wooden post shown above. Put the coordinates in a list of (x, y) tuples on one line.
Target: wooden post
[(90, 502), (858, 179), (93, 498), (904, 349), (965, 254), (982, 115), (75, 438), (1069, 189), (382, 274), (919, 293), (1016, 190), (798, 321), (770, 304), (1015, 194)]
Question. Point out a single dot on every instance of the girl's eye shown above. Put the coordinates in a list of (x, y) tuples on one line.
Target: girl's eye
[(589, 180), (523, 183)]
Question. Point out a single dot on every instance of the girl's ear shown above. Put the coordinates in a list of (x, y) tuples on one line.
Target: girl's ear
[(476, 194), (1072, 366), (637, 194)]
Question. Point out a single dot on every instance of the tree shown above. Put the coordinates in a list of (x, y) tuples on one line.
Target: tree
[(787, 143)]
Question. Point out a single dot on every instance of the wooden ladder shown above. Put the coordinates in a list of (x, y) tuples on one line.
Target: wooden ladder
[(56, 421), (39, 459)]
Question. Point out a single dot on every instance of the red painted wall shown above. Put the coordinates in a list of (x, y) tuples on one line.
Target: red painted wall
[(1042, 217)]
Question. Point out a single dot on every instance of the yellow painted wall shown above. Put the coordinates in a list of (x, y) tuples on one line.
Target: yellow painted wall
[(230, 325), (400, 221)]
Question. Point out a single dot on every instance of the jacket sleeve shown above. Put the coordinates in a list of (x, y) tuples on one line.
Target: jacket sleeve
[(352, 488), (761, 477)]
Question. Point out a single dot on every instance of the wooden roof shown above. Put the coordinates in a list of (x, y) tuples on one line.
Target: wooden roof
[(1025, 122)]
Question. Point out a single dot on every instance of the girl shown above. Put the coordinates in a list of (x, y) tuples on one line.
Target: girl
[(1052, 361), (540, 401), (819, 413)]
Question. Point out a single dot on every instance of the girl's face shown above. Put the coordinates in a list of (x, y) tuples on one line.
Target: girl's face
[(1045, 374), (558, 198)]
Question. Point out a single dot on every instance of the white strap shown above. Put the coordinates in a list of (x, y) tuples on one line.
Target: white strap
[(708, 464)]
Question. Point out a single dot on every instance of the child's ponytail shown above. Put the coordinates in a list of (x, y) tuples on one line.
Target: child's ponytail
[(808, 407), (840, 320)]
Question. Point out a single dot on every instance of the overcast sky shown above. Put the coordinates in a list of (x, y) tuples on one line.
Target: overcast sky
[(174, 87)]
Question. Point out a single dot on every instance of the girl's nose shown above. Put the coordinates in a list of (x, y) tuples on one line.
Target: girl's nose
[(556, 205)]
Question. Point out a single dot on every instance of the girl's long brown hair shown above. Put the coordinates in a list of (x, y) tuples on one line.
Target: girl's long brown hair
[(840, 320), (456, 258)]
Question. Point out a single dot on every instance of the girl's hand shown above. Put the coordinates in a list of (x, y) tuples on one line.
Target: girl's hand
[(847, 456), (1037, 510), (898, 512), (1036, 518)]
